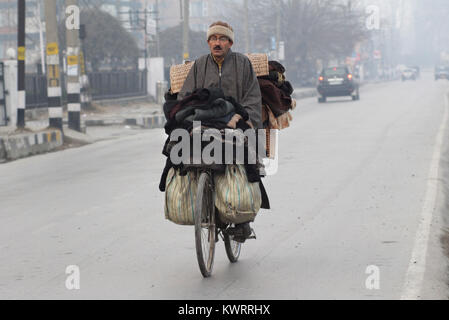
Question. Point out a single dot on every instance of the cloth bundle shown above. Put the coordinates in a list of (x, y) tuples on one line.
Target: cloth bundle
[(209, 106), (276, 97)]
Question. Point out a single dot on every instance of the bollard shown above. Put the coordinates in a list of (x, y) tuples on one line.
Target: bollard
[(161, 89)]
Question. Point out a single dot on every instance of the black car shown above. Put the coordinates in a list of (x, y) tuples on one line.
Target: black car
[(441, 72), (337, 82)]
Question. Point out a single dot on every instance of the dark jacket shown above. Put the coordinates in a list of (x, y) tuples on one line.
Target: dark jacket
[(237, 80)]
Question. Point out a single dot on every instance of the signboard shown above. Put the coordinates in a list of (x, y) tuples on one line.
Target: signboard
[(151, 26), (281, 53), (142, 64)]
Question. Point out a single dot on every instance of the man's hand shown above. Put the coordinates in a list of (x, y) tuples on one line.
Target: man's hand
[(233, 123)]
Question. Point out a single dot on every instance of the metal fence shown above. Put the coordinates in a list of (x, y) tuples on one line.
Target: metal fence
[(120, 84), (36, 91), (103, 85)]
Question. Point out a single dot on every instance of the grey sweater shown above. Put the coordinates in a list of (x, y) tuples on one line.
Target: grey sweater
[(237, 80)]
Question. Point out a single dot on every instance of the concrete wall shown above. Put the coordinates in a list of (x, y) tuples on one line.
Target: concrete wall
[(17, 146)]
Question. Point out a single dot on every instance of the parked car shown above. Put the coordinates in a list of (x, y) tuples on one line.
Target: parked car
[(408, 74), (337, 82), (441, 72)]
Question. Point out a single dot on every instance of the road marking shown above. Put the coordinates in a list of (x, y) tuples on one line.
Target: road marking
[(417, 266)]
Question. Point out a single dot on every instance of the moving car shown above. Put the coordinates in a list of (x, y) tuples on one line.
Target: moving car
[(441, 72), (337, 82), (408, 74)]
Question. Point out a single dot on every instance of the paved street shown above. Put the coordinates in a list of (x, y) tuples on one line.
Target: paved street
[(353, 190)]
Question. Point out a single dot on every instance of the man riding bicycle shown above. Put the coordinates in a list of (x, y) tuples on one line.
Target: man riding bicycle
[(233, 73)]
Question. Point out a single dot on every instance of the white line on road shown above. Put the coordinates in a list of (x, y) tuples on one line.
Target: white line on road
[(417, 266)]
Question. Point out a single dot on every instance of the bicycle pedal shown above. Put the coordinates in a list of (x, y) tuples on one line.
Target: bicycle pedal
[(253, 234)]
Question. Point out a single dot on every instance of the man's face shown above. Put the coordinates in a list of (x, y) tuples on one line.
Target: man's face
[(219, 45)]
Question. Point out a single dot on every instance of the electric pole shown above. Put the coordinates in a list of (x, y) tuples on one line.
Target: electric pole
[(41, 37), (246, 13), (53, 70), (186, 27), (21, 64), (85, 96), (278, 28), (158, 44), (73, 75)]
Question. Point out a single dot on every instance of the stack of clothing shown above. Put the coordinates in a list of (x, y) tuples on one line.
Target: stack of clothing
[(276, 98), (209, 106)]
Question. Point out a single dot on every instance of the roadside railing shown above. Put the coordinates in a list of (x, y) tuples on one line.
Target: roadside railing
[(103, 85)]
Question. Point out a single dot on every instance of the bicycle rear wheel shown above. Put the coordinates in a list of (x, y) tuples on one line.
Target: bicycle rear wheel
[(205, 231), (232, 248)]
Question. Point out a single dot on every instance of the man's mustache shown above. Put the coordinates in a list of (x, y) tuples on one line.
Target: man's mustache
[(217, 48)]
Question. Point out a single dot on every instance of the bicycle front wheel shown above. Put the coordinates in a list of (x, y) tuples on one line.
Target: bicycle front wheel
[(205, 231)]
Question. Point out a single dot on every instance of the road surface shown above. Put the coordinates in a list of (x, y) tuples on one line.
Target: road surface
[(353, 204)]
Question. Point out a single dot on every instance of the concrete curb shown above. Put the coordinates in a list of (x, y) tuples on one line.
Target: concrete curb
[(22, 145), (102, 122), (152, 122), (145, 122)]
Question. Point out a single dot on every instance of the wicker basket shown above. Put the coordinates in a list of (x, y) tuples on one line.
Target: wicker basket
[(178, 73), (260, 63)]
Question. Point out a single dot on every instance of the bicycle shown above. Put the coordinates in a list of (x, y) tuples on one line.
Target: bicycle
[(206, 228)]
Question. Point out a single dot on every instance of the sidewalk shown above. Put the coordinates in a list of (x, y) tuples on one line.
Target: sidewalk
[(144, 114), (113, 116)]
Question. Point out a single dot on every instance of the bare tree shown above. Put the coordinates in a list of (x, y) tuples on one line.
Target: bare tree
[(310, 29)]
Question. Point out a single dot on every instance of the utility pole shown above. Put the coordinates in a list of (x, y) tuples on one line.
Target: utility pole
[(186, 28), (246, 16), (41, 37), (73, 75), (21, 64), (53, 74), (85, 96), (158, 44), (278, 28)]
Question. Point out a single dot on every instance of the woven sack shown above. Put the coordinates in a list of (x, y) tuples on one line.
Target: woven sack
[(236, 199), (180, 197), (178, 75), (259, 61)]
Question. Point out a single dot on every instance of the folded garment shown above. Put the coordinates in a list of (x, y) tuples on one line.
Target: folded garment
[(184, 113), (218, 109)]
